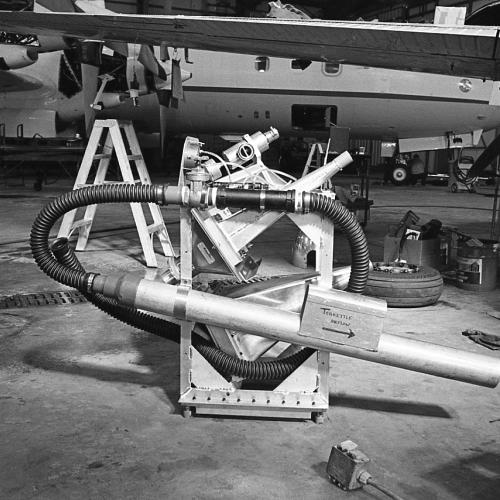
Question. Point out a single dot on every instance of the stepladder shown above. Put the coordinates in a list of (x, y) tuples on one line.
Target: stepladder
[(317, 157), (118, 138)]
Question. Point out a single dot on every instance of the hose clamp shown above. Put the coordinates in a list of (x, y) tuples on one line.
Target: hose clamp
[(159, 194), (213, 196), (180, 302), (185, 192), (208, 197), (90, 281), (262, 200), (298, 202), (306, 201)]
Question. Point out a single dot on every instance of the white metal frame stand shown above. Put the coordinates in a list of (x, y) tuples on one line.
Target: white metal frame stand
[(303, 394)]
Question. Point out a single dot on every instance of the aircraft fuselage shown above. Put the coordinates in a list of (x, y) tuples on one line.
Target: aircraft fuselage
[(227, 95)]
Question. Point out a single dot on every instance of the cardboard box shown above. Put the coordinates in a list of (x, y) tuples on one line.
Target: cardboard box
[(418, 252)]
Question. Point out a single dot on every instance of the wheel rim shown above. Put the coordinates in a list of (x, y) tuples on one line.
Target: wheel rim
[(399, 174), (395, 267)]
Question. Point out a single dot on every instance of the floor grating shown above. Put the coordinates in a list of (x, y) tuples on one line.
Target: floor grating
[(59, 298)]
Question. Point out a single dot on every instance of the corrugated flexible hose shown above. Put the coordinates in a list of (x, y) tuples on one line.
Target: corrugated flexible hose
[(60, 263)]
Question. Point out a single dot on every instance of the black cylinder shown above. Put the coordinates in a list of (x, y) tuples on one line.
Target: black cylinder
[(282, 201)]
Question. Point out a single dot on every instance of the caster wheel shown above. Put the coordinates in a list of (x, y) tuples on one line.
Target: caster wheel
[(318, 417), (454, 187), (187, 412)]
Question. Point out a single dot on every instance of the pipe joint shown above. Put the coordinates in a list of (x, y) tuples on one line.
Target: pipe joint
[(174, 195), (303, 202)]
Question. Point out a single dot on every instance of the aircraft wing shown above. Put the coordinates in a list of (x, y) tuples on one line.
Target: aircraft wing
[(452, 50)]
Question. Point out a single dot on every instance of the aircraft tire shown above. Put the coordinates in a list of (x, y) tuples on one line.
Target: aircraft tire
[(399, 176), (423, 287)]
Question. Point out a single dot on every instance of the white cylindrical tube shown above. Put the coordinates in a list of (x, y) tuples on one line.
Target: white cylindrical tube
[(319, 176), (424, 357)]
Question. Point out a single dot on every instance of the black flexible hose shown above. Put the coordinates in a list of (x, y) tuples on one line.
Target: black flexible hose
[(65, 268), (254, 370), (346, 220), (220, 360), (108, 193)]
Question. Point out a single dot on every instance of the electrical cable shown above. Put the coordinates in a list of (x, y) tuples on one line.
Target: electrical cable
[(222, 162), (386, 491), (282, 174)]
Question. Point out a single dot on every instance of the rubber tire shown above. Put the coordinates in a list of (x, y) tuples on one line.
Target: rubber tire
[(454, 188), (400, 180), (422, 288)]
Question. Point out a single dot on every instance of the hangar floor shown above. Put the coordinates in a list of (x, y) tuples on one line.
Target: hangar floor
[(88, 406)]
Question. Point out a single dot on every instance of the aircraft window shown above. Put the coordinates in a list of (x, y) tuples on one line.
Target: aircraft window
[(262, 64), (268, 114), (332, 68), (256, 114), (301, 64), (310, 117)]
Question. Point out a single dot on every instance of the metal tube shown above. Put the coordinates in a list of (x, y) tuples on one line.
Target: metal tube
[(187, 304), (317, 177)]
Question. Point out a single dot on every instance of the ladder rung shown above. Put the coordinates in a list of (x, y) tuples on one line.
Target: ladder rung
[(116, 182), (79, 186), (102, 156), (81, 223), (154, 228), (134, 157)]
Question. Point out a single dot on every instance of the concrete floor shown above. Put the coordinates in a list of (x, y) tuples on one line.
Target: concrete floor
[(88, 406)]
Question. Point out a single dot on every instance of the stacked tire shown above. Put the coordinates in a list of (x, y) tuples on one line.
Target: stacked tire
[(416, 286)]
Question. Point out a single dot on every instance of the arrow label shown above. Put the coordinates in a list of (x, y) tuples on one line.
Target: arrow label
[(349, 334)]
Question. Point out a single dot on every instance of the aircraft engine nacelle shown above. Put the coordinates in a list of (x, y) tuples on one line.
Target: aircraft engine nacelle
[(53, 43), (109, 100), (17, 56)]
